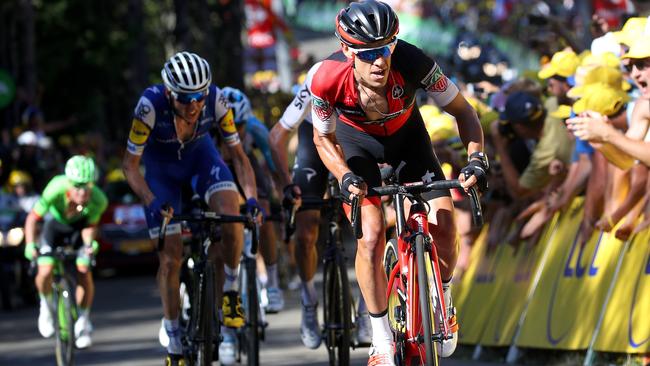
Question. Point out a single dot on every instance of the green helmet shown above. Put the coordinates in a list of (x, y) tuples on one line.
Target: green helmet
[(80, 169)]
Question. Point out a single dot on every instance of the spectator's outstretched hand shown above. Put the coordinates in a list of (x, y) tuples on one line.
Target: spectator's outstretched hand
[(590, 126)]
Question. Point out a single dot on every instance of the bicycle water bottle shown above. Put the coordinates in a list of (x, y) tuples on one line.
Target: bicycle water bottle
[(248, 243)]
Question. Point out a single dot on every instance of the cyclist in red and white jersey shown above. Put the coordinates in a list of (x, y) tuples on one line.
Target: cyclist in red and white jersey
[(364, 112)]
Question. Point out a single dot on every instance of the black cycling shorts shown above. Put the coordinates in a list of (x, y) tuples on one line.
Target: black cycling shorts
[(309, 172), (410, 144), (55, 233)]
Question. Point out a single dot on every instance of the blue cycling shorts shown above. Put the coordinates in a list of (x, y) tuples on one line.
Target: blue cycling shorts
[(203, 168)]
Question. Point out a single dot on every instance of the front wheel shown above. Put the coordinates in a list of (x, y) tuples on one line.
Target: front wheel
[(337, 312), (252, 330), (205, 315), (430, 355), (64, 303)]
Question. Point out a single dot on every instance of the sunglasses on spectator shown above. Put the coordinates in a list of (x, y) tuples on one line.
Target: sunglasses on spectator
[(640, 64), (371, 54), (188, 98)]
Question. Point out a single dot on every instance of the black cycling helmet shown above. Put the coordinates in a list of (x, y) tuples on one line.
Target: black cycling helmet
[(368, 23)]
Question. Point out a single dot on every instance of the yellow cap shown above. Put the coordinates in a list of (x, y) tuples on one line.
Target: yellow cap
[(17, 177), (640, 48), (563, 63), (600, 74), (115, 175), (601, 98), (562, 112), (633, 28), (601, 59), (440, 126)]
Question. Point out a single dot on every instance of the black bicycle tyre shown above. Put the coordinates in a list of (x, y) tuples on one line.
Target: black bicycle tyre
[(425, 303), (252, 304), (337, 312), (64, 323), (206, 316)]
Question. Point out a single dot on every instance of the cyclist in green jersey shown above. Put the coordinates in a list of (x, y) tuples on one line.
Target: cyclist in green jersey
[(70, 206)]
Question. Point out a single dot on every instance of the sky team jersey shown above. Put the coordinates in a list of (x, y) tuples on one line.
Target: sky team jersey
[(153, 131), (300, 107), (334, 91), (55, 201)]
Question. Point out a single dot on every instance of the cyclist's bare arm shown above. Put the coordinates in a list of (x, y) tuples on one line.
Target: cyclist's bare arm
[(30, 227), (278, 139), (243, 169), (131, 168), (331, 154), (469, 126)]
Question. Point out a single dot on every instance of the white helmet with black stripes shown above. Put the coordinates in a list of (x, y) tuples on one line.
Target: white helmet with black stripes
[(186, 72)]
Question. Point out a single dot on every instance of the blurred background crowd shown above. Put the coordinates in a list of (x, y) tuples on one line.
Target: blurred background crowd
[(72, 70)]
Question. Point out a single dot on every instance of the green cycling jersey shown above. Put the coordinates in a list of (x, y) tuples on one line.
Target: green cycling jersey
[(54, 200)]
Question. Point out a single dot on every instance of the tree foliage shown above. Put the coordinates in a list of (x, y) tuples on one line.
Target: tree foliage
[(92, 59)]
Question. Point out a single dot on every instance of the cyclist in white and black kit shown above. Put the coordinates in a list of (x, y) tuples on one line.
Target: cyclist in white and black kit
[(308, 180)]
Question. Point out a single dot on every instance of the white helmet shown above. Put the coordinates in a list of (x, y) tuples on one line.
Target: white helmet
[(186, 72)]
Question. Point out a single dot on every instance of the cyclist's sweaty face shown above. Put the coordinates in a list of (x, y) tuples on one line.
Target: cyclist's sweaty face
[(372, 71), (79, 194)]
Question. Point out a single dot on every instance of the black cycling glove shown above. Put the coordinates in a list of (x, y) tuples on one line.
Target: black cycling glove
[(290, 195), (479, 170), (349, 179)]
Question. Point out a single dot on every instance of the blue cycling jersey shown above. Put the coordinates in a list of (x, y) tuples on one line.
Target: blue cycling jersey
[(171, 163), (260, 138), (154, 134)]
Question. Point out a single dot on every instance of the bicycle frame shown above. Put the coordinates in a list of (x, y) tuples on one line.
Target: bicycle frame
[(415, 249), (403, 277)]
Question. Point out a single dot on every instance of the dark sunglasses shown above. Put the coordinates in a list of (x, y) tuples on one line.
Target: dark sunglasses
[(188, 98), (640, 64), (81, 185), (371, 54)]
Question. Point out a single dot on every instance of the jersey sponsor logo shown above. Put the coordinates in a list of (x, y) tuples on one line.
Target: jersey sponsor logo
[(227, 123), (301, 97), (435, 81), (139, 132), (223, 101), (216, 171), (348, 101), (322, 108), (309, 173), (397, 91), (143, 109)]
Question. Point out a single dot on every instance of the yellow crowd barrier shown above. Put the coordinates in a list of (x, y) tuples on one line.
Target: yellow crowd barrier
[(552, 294)]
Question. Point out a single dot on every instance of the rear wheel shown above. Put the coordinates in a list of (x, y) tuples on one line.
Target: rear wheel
[(429, 357), (205, 315), (64, 323), (337, 312)]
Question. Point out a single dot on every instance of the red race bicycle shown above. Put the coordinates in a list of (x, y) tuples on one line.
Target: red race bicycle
[(411, 264)]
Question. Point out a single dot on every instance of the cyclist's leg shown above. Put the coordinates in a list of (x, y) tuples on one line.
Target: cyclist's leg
[(216, 185), (362, 152), (49, 236), (421, 164), (167, 188), (310, 174)]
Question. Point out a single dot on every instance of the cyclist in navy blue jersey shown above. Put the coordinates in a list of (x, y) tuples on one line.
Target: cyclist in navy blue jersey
[(170, 134)]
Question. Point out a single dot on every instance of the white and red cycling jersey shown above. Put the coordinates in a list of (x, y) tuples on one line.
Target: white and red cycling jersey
[(334, 91)]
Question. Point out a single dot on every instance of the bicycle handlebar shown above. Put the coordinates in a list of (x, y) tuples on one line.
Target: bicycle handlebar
[(202, 216), (416, 188)]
